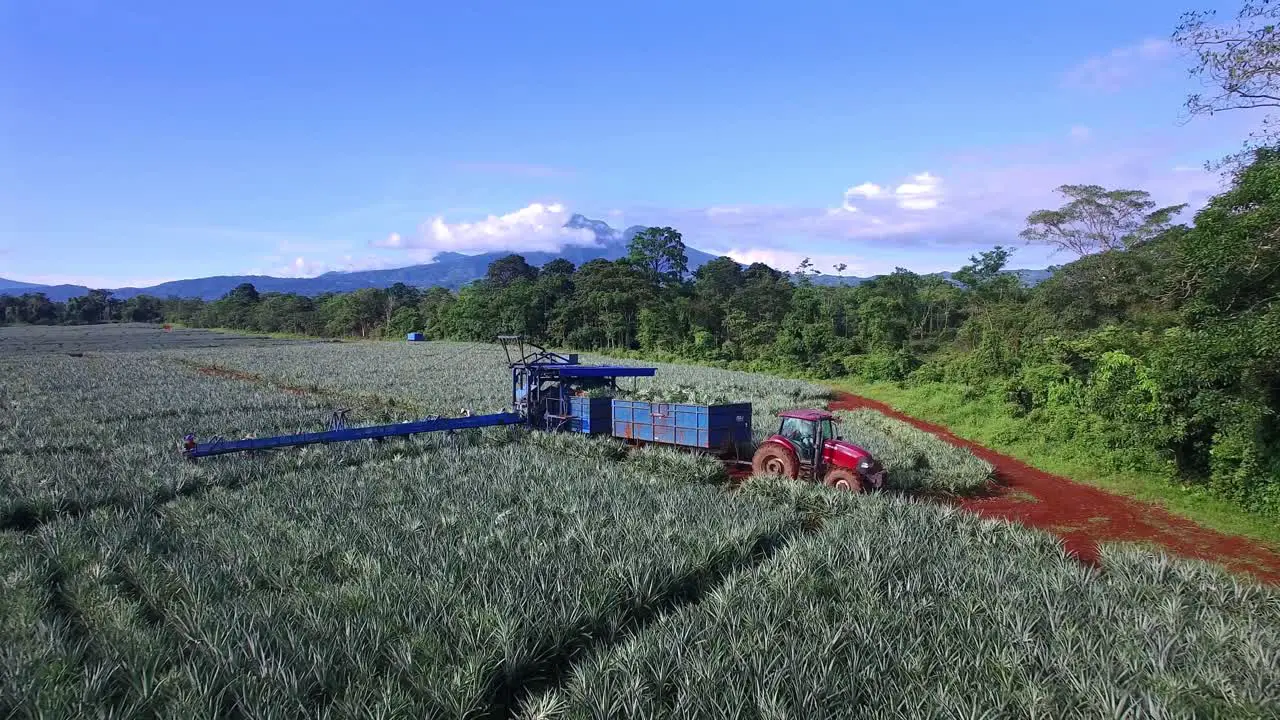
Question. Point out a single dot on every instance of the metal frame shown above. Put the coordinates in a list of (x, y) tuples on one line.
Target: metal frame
[(341, 433), (542, 382)]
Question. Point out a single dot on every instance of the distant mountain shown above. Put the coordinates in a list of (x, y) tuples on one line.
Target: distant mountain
[(53, 292), (7, 284), (449, 269)]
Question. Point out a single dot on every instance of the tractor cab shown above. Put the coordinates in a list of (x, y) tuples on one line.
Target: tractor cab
[(807, 445)]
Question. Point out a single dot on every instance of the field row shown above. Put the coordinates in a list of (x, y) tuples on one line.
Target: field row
[(49, 340), (438, 585), (489, 583), (552, 575), (82, 432), (904, 609)]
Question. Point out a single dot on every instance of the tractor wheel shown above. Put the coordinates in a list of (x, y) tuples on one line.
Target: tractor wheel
[(843, 479), (773, 459)]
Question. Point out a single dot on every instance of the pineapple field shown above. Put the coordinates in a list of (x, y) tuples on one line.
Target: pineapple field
[(504, 573)]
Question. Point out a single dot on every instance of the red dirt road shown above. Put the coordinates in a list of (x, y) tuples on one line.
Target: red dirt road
[(1084, 515)]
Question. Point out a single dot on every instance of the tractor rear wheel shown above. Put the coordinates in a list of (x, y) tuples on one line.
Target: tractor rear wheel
[(843, 479), (773, 459)]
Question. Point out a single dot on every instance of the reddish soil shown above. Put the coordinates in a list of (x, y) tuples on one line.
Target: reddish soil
[(1084, 515), (248, 377)]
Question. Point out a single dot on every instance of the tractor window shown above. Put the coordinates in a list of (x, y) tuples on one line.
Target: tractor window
[(799, 432), (828, 431)]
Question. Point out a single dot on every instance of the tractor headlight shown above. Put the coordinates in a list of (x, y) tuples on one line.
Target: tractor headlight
[(866, 465)]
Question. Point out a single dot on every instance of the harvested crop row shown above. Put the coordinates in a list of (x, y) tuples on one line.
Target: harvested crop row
[(48, 340), (77, 433), (915, 459), (442, 377), (906, 609), (425, 587)]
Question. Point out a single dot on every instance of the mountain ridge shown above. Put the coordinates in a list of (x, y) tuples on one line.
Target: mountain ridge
[(449, 269)]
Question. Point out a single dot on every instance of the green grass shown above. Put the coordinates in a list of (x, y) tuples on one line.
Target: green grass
[(986, 421)]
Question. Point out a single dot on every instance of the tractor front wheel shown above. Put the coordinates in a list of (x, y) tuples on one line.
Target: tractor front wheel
[(773, 459), (843, 479)]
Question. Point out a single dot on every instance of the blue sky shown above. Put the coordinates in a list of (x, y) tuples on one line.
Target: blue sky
[(148, 141)]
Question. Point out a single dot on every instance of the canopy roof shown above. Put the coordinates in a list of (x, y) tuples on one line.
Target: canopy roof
[(807, 414)]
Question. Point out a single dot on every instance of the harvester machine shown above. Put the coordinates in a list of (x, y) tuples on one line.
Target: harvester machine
[(554, 392)]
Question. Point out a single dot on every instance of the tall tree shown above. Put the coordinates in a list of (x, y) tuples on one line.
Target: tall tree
[(559, 266), (244, 292), (1229, 263), (985, 275), (1096, 220), (660, 252), (510, 269), (1242, 62)]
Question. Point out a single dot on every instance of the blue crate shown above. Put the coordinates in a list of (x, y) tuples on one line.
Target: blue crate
[(711, 427), (590, 415)]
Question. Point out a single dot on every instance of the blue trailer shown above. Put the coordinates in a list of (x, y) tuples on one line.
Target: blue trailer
[(715, 428), (591, 415), (718, 429)]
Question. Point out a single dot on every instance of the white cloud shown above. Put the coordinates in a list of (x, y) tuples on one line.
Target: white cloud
[(924, 221), (534, 227), (866, 190), (921, 193), (301, 266), (1120, 67)]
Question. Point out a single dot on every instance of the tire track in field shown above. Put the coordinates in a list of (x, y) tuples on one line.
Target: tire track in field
[(85, 648), (512, 687), (368, 402)]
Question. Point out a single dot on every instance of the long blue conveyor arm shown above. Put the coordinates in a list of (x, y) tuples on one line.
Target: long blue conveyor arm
[(222, 447)]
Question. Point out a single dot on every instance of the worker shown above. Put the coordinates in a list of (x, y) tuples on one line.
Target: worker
[(801, 434)]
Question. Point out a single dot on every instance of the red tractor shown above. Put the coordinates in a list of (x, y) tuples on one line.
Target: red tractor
[(807, 445)]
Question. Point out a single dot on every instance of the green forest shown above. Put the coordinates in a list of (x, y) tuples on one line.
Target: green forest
[(1156, 349)]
